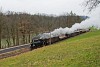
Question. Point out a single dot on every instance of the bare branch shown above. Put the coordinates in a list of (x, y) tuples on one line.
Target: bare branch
[(91, 4)]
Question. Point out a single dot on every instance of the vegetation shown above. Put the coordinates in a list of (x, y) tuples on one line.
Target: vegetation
[(19, 28), (80, 51)]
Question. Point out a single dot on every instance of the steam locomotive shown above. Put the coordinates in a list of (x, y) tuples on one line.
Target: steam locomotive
[(38, 42)]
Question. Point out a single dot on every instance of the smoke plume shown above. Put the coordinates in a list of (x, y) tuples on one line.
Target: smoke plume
[(93, 21)]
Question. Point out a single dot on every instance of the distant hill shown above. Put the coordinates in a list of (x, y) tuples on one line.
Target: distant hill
[(85, 17)]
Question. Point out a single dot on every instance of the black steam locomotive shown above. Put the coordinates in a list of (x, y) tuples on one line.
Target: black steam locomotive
[(37, 42)]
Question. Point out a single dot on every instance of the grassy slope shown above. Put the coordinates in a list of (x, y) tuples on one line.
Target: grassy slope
[(80, 51)]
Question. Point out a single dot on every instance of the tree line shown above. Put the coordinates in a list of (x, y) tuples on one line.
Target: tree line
[(18, 28)]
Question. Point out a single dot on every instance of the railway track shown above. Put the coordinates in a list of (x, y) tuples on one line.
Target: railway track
[(13, 51), (14, 48)]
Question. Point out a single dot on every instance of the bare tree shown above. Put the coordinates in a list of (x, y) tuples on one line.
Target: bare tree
[(0, 35), (1, 22), (91, 4)]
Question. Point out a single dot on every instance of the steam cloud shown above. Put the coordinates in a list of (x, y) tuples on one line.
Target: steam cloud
[(85, 25)]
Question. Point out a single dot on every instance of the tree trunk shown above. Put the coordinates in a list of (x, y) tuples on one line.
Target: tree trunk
[(23, 38), (29, 36), (13, 35), (8, 38), (7, 43), (0, 37), (17, 37)]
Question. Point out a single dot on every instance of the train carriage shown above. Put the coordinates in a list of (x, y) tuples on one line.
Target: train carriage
[(39, 42)]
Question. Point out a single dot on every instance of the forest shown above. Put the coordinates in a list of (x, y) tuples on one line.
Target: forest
[(17, 28)]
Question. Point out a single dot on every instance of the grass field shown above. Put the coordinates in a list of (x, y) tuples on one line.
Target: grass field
[(80, 51)]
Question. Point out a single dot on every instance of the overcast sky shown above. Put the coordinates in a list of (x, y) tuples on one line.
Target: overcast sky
[(44, 6)]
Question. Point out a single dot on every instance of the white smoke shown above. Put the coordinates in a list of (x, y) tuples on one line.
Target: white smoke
[(90, 22), (93, 21), (85, 25)]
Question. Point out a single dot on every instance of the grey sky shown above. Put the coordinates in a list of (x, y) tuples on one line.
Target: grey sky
[(44, 6)]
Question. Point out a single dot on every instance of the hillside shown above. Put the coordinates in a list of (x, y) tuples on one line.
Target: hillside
[(80, 51)]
